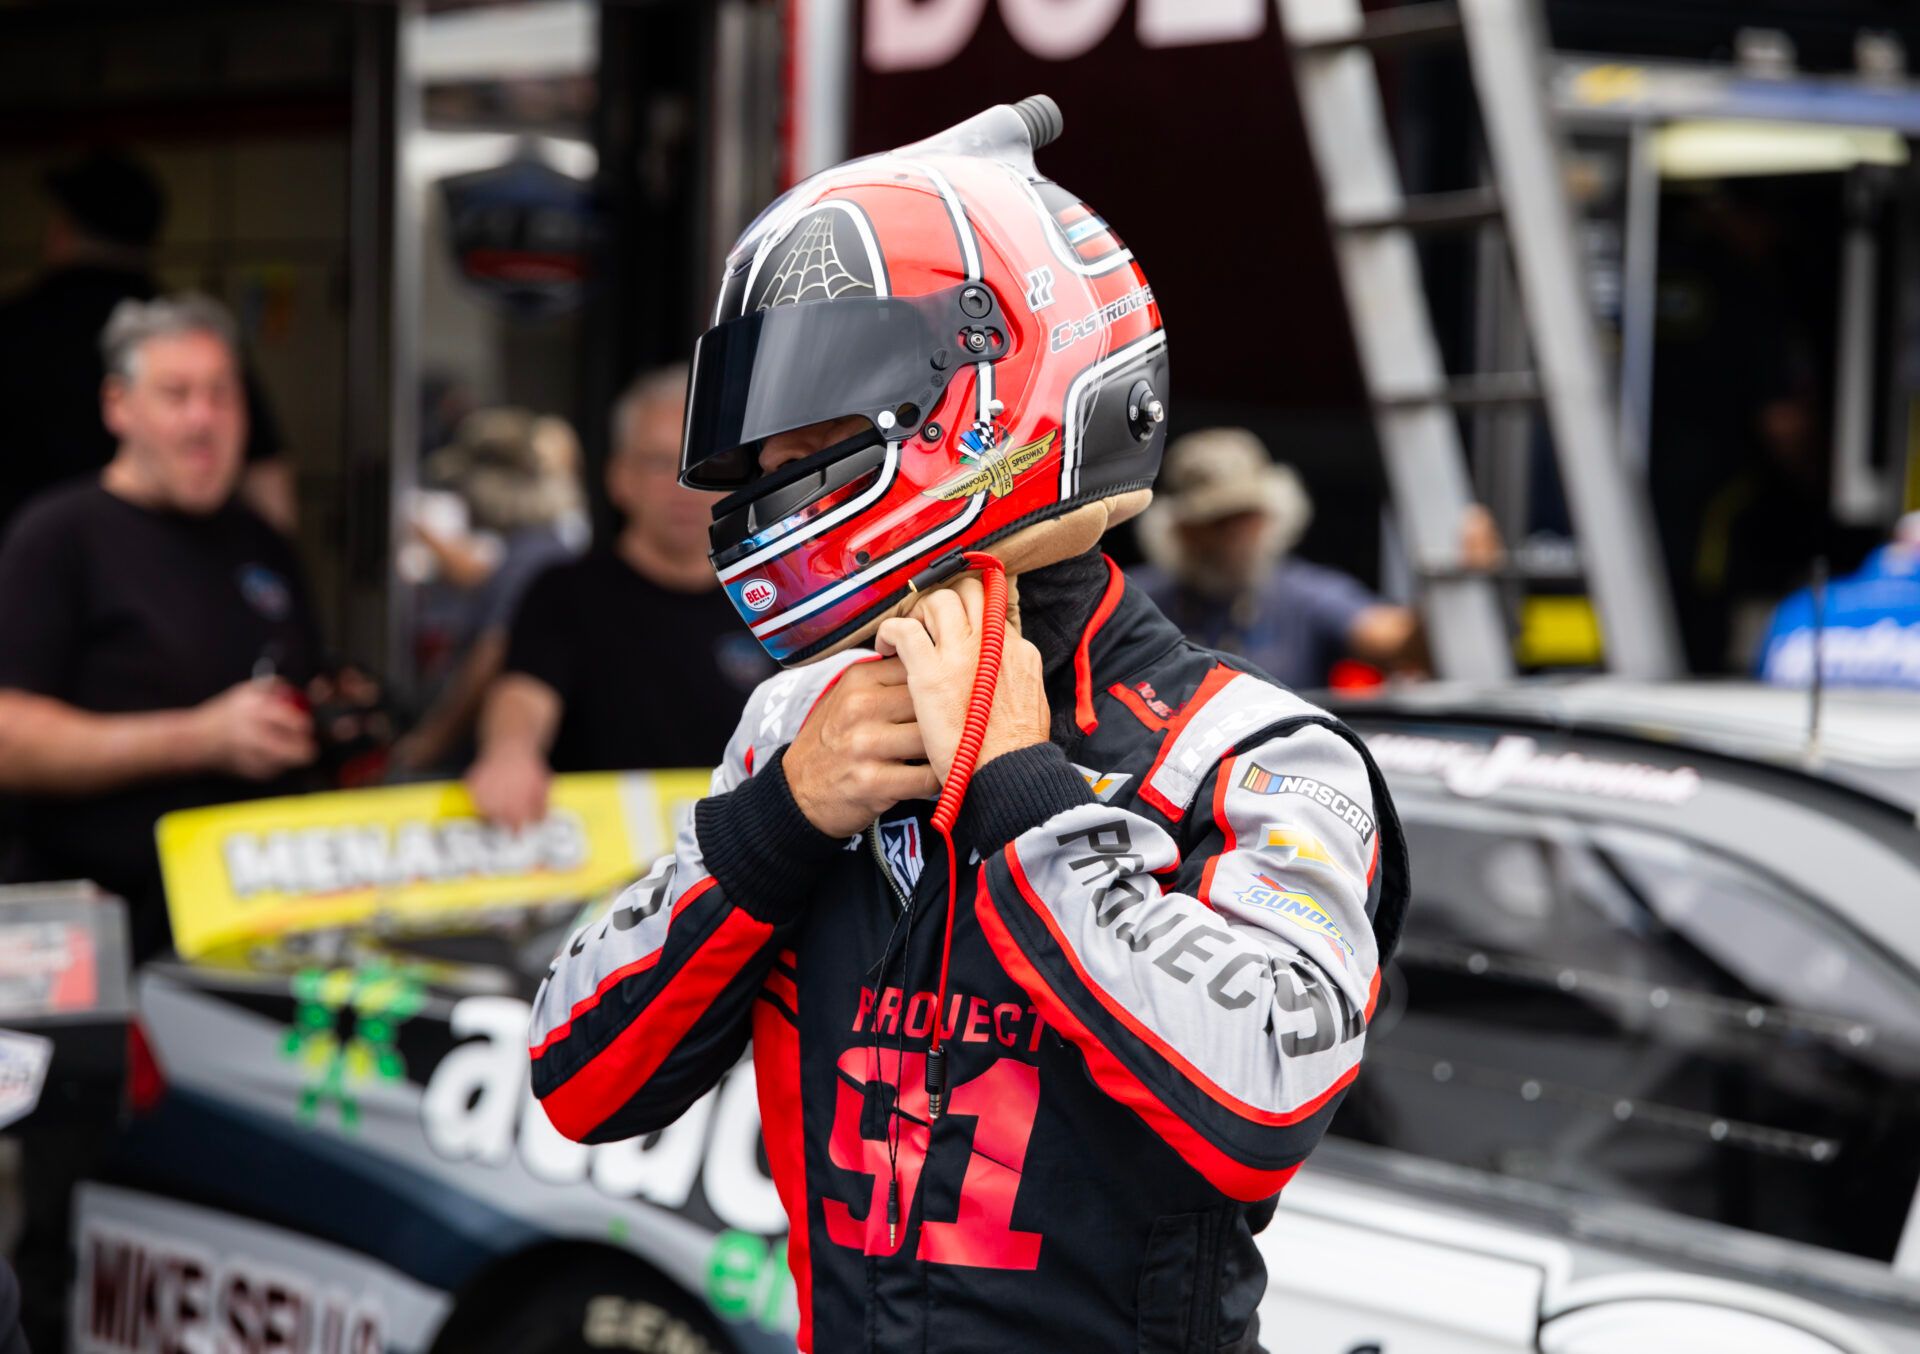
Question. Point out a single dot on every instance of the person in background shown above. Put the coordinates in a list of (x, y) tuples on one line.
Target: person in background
[(517, 472), (631, 657), (1217, 537), (158, 638), (1741, 453), (105, 216), (1867, 626)]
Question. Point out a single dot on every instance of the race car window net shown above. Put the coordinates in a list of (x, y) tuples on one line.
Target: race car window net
[(886, 359), (1572, 1004)]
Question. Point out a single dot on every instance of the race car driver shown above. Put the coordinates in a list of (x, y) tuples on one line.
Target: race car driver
[(1048, 1106)]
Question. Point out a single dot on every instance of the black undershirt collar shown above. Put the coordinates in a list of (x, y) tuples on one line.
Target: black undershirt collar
[(1056, 606)]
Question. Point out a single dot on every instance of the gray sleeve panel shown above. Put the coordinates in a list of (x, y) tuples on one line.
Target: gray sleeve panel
[(1260, 984)]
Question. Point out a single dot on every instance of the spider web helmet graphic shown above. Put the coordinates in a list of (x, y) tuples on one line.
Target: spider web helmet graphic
[(824, 256), (812, 266), (898, 291)]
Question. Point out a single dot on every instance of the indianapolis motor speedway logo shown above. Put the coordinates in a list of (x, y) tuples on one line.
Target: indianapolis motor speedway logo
[(994, 473)]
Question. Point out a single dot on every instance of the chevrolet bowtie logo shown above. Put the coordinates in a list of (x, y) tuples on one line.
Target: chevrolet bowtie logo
[(994, 473)]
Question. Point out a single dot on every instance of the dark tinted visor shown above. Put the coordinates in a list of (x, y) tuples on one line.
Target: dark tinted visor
[(885, 358)]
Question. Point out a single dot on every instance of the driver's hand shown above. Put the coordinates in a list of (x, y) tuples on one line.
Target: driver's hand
[(939, 644), (859, 752), (509, 786)]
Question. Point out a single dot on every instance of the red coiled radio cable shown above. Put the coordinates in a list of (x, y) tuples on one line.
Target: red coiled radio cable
[(986, 674)]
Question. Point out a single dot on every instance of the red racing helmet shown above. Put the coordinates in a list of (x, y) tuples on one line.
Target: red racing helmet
[(1001, 344)]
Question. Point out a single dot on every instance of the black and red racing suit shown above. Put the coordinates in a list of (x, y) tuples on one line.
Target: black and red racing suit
[(1168, 939)]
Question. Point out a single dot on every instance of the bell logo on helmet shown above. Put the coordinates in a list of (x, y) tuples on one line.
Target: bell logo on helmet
[(994, 474), (756, 594)]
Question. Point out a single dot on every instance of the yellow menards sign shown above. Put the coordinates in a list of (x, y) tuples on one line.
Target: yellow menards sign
[(241, 873)]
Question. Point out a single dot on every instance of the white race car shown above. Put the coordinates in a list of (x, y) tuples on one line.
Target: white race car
[(1646, 1076)]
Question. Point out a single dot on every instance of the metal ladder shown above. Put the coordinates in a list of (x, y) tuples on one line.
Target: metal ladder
[(1415, 402)]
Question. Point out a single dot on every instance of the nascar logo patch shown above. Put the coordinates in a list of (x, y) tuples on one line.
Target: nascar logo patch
[(1264, 782)]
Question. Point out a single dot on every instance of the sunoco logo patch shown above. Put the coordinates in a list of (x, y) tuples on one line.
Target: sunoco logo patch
[(1299, 908)]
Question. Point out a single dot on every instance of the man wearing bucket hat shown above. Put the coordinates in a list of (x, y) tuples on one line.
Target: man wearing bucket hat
[(1223, 520), (518, 474)]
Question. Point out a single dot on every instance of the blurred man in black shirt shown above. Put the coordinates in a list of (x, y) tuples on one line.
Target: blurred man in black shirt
[(154, 633), (105, 215), (630, 657)]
